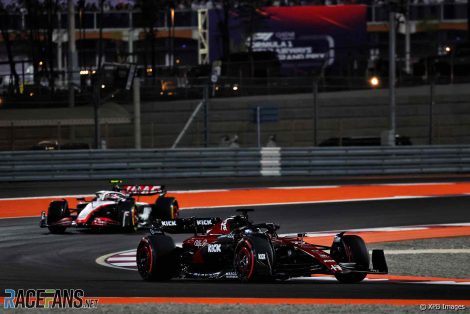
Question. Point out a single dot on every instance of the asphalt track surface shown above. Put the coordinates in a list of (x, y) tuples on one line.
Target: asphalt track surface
[(32, 258)]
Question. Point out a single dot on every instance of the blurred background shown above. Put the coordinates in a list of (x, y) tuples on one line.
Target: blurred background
[(226, 73)]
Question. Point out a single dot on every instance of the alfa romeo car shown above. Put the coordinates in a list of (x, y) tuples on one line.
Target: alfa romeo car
[(237, 248)]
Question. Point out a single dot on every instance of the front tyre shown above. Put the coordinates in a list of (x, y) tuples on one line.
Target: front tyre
[(133, 220), (57, 211), (156, 258), (165, 208), (351, 249), (253, 259)]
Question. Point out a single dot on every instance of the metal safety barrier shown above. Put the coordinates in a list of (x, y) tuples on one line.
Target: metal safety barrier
[(126, 164), (376, 160), (230, 162)]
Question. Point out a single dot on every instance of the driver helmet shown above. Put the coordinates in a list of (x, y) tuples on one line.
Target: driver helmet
[(112, 197)]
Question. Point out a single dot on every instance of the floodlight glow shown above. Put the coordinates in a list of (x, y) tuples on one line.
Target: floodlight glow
[(374, 81)]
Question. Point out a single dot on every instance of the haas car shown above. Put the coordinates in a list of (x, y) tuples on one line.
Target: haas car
[(112, 209), (236, 248)]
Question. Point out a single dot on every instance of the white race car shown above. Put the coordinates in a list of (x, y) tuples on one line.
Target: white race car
[(115, 208)]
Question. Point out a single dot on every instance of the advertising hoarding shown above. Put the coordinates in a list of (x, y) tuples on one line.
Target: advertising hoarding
[(303, 37)]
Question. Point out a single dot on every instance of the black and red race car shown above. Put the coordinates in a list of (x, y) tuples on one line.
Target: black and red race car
[(236, 248), (116, 209)]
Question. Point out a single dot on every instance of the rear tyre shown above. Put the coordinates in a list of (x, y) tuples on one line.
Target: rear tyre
[(165, 208), (253, 259), (351, 249), (156, 258), (57, 210)]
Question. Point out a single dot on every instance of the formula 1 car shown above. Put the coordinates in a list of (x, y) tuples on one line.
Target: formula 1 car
[(114, 209), (236, 248)]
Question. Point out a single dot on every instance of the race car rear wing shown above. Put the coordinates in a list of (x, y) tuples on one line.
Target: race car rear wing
[(184, 225), (138, 189), (143, 189)]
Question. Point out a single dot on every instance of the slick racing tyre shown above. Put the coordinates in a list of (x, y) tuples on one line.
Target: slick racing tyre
[(157, 258), (127, 213), (351, 249), (165, 208), (133, 220), (253, 259), (57, 210)]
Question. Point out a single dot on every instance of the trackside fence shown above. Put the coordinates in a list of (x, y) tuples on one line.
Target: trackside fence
[(225, 162)]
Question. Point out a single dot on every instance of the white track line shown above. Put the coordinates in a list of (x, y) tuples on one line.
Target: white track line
[(317, 202), (326, 233), (427, 251), (418, 184), (205, 191), (125, 264), (304, 187), (130, 253), (45, 197), (121, 259), (461, 224)]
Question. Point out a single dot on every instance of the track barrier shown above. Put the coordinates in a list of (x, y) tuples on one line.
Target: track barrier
[(229, 162)]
